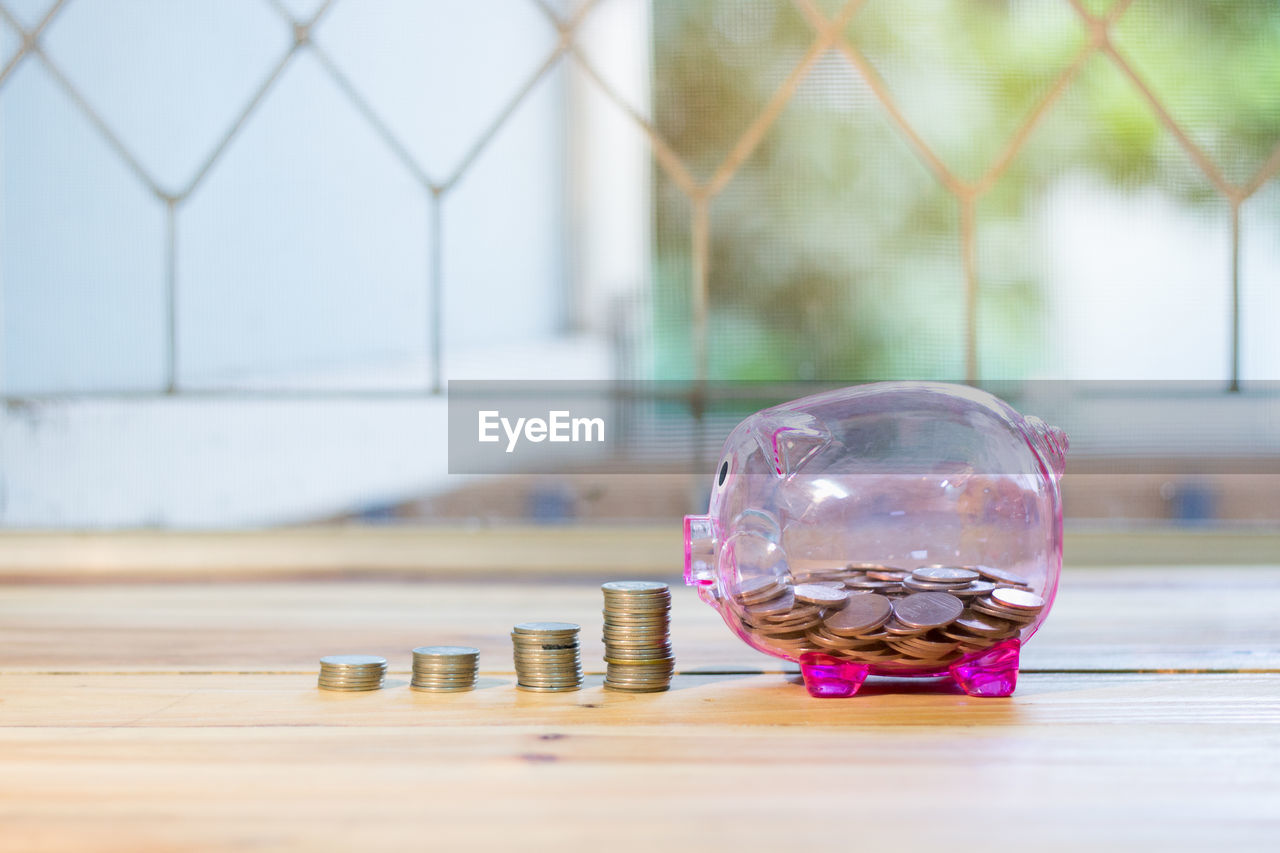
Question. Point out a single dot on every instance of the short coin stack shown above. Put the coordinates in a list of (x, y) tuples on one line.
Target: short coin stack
[(547, 657), (350, 673), (444, 669), (926, 618), (637, 638)]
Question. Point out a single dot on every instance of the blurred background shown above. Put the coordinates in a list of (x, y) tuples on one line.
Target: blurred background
[(246, 244)]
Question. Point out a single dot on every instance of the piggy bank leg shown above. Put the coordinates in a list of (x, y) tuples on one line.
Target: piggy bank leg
[(993, 672), (830, 677)]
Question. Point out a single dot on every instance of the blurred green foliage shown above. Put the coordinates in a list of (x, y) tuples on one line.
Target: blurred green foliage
[(835, 251)]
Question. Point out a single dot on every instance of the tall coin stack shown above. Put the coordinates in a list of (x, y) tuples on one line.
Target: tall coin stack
[(637, 639), (547, 657), (444, 669), (351, 673)]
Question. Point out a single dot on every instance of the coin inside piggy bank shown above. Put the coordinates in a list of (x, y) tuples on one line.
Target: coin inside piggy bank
[(897, 528)]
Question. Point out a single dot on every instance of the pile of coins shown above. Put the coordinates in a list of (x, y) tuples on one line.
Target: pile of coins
[(637, 638), (351, 673), (444, 669), (925, 618), (547, 657)]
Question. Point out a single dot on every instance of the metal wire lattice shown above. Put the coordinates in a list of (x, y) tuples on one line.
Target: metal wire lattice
[(829, 33)]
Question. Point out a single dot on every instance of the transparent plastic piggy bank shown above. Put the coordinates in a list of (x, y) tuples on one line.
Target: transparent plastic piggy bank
[(898, 528)]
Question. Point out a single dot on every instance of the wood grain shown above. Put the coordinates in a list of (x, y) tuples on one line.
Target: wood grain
[(1111, 762), (141, 716), (1186, 618)]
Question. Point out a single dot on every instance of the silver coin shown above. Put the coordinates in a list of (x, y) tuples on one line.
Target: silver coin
[(987, 627), (927, 609), (1019, 599), (973, 590), (750, 586), (342, 673), (538, 680), (657, 620), (860, 613), (649, 604), (874, 586), (809, 618), (638, 660), (921, 586), (631, 674), (948, 574), (548, 660), (541, 628), (652, 660), (442, 683), (637, 645), (895, 629), (632, 587), (545, 647), (353, 660), (833, 643), (1001, 576), (825, 596), (779, 605), (625, 675), (986, 608), (554, 674), (885, 574), (347, 673), (530, 663)]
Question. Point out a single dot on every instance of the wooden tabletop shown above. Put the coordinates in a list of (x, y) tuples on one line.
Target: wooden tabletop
[(143, 715)]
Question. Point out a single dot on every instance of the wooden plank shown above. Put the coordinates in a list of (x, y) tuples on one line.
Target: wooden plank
[(1189, 618), (641, 550), (220, 762), (262, 699)]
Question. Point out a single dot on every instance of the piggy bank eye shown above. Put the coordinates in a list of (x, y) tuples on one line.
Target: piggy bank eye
[(724, 472)]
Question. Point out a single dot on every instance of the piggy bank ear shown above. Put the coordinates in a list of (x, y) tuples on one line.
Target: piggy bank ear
[(789, 439)]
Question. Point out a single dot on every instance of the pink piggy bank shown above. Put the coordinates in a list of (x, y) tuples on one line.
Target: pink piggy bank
[(898, 528)]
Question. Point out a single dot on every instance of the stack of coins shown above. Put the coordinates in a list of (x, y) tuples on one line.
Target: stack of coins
[(352, 672), (547, 657), (637, 638), (444, 669), (925, 618)]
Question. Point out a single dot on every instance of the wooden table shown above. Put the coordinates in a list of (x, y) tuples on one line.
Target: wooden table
[(167, 715)]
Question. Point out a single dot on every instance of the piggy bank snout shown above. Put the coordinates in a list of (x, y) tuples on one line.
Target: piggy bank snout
[(701, 541)]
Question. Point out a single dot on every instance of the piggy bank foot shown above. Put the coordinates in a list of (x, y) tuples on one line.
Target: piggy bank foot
[(992, 672), (828, 677)]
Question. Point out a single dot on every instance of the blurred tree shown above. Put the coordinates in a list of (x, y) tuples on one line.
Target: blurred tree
[(835, 250)]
